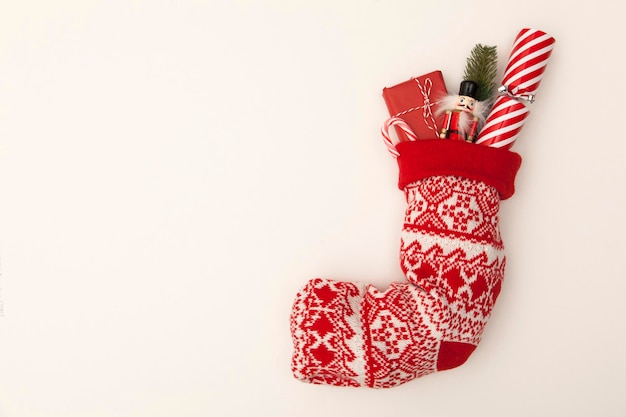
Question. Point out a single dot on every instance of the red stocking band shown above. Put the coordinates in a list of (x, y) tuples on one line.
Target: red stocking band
[(352, 334), (425, 158)]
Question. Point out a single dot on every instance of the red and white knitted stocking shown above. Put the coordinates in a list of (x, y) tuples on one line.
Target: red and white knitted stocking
[(352, 334)]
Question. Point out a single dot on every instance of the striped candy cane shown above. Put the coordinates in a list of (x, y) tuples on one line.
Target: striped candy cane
[(523, 73), (402, 125)]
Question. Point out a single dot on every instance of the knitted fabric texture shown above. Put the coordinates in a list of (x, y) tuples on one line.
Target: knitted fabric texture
[(451, 252)]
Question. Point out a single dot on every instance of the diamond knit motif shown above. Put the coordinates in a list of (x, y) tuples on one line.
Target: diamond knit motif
[(327, 333), (451, 253), (452, 257), (460, 256)]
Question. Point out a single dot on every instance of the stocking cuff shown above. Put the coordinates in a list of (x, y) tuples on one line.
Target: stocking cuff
[(432, 157)]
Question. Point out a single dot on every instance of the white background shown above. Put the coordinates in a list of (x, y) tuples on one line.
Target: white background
[(172, 172)]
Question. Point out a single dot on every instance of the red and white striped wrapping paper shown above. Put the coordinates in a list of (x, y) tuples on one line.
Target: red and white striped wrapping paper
[(527, 62), (504, 123), (523, 73)]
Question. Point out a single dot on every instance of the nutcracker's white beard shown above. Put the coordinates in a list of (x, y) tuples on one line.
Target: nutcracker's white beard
[(465, 118)]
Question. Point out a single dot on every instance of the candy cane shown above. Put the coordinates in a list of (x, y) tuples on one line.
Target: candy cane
[(402, 125)]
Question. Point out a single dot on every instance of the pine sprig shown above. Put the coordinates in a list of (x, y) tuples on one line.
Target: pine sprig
[(482, 67)]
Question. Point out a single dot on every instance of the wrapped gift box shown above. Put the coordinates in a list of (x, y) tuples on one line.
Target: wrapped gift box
[(415, 101)]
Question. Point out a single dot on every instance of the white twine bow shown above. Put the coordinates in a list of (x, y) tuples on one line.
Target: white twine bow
[(427, 107), (427, 115)]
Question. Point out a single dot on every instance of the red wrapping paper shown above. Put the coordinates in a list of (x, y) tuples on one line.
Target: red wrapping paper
[(415, 101)]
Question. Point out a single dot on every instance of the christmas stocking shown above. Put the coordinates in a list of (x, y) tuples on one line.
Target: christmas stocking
[(451, 252)]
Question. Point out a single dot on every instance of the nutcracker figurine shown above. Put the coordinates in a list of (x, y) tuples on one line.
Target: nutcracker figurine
[(463, 113)]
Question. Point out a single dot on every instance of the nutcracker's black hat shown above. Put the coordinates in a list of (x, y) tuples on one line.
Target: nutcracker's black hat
[(469, 89)]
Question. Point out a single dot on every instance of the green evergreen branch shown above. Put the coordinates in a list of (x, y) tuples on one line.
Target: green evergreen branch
[(482, 68)]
